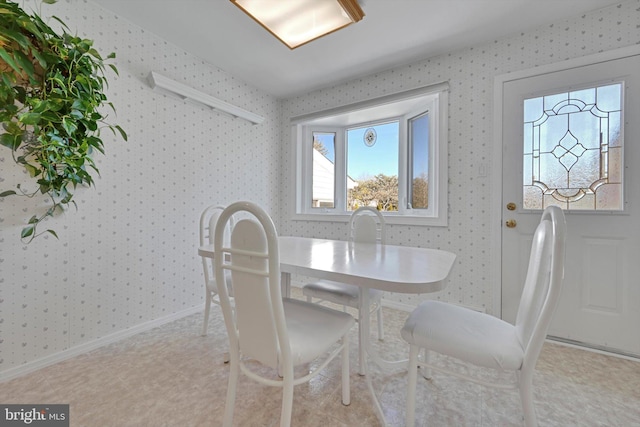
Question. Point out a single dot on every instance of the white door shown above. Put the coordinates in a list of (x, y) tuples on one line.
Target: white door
[(571, 137)]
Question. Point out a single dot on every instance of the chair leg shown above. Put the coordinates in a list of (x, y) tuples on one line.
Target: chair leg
[(526, 397), (287, 399), (361, 349), (346, 390), (226, 356), (380, 323), (411, 387), (231, 394), (426, 371), (207, 309)]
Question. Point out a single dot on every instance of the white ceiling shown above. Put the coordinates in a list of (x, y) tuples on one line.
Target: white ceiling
[(392, 33)]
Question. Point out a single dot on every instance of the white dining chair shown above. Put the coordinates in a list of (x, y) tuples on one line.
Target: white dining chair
[(278, 333), (366, 225), (486, 341), (208, 220)]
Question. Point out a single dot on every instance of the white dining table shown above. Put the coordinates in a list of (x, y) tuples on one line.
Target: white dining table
[(392, 268)]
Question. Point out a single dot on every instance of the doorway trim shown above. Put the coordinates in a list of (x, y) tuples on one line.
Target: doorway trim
[(496, 171)]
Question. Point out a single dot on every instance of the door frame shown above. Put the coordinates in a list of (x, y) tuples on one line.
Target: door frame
[(496, 174)]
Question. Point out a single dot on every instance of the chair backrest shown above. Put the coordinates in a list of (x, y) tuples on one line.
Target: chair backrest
[(208, 221), (367, 225), (258, 329), (542, 284)]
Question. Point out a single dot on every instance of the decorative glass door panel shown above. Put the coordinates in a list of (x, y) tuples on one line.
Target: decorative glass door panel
[(573, 149)]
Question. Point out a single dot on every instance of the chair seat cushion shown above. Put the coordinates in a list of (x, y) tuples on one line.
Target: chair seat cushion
[(465, 334), (313, 329), (338, 292)]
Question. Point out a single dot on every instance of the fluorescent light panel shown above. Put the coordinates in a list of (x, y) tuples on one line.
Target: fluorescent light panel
[(189, 94), (298, 22)]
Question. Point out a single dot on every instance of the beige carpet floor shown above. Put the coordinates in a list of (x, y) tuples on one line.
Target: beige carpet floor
[(172, 376)]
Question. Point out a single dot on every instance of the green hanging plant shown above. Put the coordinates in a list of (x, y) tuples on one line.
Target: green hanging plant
[(51, 93)]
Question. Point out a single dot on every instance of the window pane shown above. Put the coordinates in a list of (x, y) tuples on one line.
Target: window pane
[(573, 150), (419, 160), (324, 170), (372, 166)]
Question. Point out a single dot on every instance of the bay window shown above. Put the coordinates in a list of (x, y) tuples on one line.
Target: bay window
[(389, 153)]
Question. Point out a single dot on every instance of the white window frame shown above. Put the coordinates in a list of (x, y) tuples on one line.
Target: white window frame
[(338, 183), (402, 106)]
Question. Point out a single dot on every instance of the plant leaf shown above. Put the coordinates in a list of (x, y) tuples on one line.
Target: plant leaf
[(24, 63), (94, 53), (7, 193), (113, 67), (9, 60), (32, 170), (76, 114), (61, 22), (27, 231), (41, 59), (6, 80), (16, 36), (69, 125), (30, 118), (122, 132), (8, 140)]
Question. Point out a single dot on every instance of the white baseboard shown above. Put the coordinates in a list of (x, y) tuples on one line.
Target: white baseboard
[(585, 347), (92, 345)]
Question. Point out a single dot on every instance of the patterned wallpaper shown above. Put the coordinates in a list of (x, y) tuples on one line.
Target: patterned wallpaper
[(470, 73), (127, 255)]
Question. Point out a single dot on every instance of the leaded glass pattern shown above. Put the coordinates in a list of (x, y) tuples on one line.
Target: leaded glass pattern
[(573, 150)]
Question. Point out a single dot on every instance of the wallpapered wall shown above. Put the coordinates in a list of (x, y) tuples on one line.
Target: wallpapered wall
[(470, 73), (128, 254)]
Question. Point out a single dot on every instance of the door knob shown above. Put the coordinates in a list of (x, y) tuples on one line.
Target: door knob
[(511, 206), (511, 223)]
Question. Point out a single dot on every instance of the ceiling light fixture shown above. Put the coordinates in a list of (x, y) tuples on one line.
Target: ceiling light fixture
[(298, 22)]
